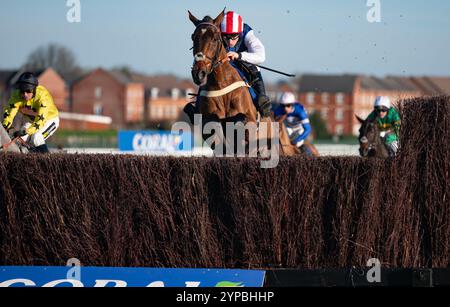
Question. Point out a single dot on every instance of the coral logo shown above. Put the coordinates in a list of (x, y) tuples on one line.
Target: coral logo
[(127, 277)]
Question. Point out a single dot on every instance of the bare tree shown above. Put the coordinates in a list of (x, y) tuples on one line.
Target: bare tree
[(56, 56)]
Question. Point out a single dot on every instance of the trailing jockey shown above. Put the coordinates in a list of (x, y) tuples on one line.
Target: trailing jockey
[(241, 43), (296, 120), (40, 119), (389, 123)]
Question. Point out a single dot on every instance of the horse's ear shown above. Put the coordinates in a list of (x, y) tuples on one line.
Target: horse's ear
[(194, 20), (219, 19), (359, 119)]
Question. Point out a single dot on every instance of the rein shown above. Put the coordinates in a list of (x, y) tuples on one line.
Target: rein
[(14, 141), (215, 61)]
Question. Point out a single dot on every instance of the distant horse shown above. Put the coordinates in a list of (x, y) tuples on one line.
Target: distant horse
[(285, 136), (224, 96), (370, 142)]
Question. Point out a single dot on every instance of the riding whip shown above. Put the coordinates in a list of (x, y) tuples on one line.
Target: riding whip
[(269, 69)]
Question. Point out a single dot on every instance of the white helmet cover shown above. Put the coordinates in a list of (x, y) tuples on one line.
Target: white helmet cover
[(382, 101), (288, 98)]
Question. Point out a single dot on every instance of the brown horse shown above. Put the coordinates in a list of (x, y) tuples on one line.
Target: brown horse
[(285, 135), (224, 96), (370, 143)]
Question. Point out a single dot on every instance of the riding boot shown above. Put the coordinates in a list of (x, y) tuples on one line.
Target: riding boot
[(189, 109), (193, 108), (42, 149), (263, 104)]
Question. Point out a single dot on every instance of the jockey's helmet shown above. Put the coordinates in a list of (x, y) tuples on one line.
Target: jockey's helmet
[(232, 24), (287, 98), (382, 102), (27, 82)]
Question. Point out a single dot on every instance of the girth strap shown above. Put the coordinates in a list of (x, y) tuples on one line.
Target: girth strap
[(225, 90)]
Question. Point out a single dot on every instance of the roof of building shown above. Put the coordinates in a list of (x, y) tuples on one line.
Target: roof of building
[(389, 83), (442, 83), (121, 76), (426, 86), (372, 83), (327, 83), (404, 83), (165, 83)]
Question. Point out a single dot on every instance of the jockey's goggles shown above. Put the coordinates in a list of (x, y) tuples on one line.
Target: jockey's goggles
[(230, 36), (381, 109), (28, 91)]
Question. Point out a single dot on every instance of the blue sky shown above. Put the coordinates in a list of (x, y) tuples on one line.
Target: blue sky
[(323, 36)]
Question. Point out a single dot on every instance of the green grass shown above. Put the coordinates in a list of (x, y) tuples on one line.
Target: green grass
[(87, 133), (84, 139)]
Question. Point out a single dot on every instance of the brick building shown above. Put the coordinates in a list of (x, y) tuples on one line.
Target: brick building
[(338, 98), (332, 96), (165, 96), (131, 98), (109, 93), (56, 85)]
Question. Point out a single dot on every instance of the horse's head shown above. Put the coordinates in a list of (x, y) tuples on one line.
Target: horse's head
[(207, 48), (369, 137)]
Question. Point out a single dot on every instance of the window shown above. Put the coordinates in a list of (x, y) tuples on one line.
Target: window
[(339, 115), (310, 98), (324, 114), (174, 111), (339, 129), (98, 109), (157, 112), (368, 100), (340, 98), (98, 92), (325, 98), (170, 112), (175, 93), (154, 93)]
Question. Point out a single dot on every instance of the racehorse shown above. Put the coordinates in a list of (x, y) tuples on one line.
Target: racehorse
[(370, 142), (224, 96), (17, 144)]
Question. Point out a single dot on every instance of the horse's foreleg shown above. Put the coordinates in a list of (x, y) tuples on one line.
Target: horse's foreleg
[(287, 148), (312, 148)]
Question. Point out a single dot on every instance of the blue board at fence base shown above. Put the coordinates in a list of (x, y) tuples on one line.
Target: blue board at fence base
[(29, 276), (154, 141)]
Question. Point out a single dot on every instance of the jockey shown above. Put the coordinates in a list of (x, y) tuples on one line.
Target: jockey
[(241, 43), (296, 120), (388, 120), (40, 119)]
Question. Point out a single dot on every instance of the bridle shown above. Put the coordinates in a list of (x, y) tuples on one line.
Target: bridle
[(215, 61), (364, 140)]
